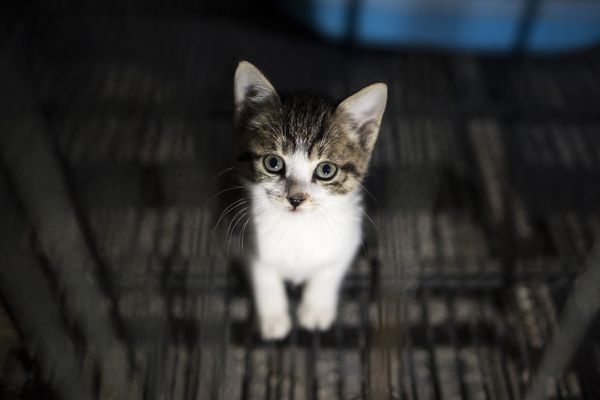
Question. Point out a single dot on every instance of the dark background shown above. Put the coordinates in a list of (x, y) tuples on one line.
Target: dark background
[(116, 126)]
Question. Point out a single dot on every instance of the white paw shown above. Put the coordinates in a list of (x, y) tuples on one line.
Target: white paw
[(275, 326), (316, 317)]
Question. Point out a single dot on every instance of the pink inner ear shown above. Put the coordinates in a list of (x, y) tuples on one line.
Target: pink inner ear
[(251, 85), (367, 134), (367, 104)]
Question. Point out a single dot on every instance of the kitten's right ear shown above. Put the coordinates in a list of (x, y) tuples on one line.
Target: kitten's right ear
[(250, 87), (365, 109)]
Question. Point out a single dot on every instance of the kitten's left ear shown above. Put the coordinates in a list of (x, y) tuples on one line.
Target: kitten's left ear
[(365, 110), (250, 87)]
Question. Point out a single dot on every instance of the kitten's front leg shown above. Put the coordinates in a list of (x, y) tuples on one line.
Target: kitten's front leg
[(318, 307), (271, 302)]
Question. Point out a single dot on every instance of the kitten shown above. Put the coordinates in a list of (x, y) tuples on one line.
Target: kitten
[(302, 159)]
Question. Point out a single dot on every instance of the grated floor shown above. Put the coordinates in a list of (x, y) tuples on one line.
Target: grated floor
[(485, 207)]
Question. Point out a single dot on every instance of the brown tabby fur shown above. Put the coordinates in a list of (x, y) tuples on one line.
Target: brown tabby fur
[(284, 124)]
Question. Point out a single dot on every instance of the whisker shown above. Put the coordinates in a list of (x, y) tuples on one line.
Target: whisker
[(240, 200), (237, 215), (369, 193), (244, 232), (367, 216), (222, 172), (228, 209), (226, 190), (230, 235)]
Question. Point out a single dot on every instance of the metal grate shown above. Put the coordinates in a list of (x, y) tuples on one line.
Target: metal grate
[(465, 267)]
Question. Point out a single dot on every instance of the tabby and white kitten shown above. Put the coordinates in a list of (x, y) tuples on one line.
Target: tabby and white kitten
[(302, 159)]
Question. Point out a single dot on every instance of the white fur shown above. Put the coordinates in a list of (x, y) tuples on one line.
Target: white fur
[(314, 244)]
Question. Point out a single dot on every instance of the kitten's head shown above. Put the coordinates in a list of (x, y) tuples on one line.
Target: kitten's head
[(302, 151)]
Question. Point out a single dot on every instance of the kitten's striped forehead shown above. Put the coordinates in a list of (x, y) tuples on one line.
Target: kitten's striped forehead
[(304, 130), (305, 123)]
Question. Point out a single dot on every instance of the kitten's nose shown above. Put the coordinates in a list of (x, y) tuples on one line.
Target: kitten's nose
[(296, 200)]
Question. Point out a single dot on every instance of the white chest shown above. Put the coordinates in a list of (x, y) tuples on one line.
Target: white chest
[(296, 245)]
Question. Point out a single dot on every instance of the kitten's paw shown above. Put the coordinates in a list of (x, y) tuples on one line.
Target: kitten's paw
[(275, 326), (316, 317)]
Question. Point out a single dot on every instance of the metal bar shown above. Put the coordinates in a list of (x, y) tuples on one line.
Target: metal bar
[(484, 368), (281, 370), (515, 323), (271, 370), (312, 364), (225, 349), (500, 330), (26, 290), (581, 307), (430, 345), (166, 286), (470, 355), (248, 356), (409, 360), (400, 306), (338, 349), (35, 171), (294, 349), (451, 327), (382, 345), (363, 332)]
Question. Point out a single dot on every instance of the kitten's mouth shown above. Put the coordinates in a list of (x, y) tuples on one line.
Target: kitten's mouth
[(303, 209), (296, 209)]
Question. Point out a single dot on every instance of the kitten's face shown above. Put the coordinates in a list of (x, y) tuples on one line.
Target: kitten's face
[(300, 153)]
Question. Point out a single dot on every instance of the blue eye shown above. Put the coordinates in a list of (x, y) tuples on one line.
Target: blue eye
[(273, 163), (325, 171)]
